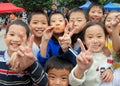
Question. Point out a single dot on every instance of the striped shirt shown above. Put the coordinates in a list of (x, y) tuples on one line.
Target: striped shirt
[(33, 74)]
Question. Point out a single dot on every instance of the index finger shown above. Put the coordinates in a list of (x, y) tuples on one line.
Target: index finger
[(81, 45), (90, 48), (30, 41), (22, 39)]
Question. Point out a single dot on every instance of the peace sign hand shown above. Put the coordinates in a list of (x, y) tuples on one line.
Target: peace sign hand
[(116, 22), (84, 59), (23, 58), (65, 40)]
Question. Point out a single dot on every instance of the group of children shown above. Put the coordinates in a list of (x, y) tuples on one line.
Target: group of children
[(55, 51)]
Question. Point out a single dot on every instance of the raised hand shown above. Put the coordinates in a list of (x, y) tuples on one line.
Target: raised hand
[(23, 58), (84, 59), (65, 40), (47, 34)]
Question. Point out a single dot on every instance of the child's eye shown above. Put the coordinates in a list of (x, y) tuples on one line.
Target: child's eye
[(11, 34), (99, 36), (35, 22), (52, 21), (51, 77), (64, 78), (44, 23), (60, 20)]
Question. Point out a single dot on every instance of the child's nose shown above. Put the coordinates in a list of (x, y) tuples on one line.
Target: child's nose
[(57, 81), (16, 38)]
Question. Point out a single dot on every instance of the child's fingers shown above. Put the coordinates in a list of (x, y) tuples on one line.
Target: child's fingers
[(81, 45), (90, 48), (66, 21), (22, 39), (49, 29), (30, 41)]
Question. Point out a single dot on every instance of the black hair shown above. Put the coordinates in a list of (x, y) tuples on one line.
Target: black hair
[(35, 13), (54, 4), (56, 12), (82, 33), (95, 4), (78, 10), (57, 62), (22, 23)]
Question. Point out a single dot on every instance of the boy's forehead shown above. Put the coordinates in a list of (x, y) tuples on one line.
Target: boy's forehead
[(96, 8), (79, 14)]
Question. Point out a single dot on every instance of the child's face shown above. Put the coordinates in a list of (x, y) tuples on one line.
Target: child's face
[(79, 21), (96, 35), (38, 24), (95, 14), (108, 22), (58, 21), (15, 38), (58, 77)]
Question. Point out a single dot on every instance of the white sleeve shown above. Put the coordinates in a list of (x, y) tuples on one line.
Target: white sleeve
[(73, 81)]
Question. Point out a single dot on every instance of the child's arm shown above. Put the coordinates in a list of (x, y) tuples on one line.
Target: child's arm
[(47, 34), (115, 34), (84, 62)]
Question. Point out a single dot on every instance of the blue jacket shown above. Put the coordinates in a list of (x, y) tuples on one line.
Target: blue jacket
[(54, 49)]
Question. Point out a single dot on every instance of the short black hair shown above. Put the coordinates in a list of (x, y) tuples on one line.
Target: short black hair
[(57, 62), (35, 13), (22, 23), (77, 9), (56, 12)]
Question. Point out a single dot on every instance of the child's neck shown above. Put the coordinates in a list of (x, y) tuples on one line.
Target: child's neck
[(37, 40)]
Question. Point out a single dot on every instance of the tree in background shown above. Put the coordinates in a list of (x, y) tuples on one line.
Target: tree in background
[(33, 5)]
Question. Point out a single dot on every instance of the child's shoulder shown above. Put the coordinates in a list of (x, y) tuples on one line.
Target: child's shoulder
[(2, 53)]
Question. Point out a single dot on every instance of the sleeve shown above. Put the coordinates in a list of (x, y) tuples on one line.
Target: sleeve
[(42, 60), (75, 81), (37, 74), (69, 55)]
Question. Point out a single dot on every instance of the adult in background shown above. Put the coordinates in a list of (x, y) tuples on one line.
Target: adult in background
[(53, 9)]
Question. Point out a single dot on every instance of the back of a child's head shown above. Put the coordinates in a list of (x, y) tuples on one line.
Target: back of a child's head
[(21, 23), (54, 13), (36, 13), (58, 62), (78, 10), (82, 33)]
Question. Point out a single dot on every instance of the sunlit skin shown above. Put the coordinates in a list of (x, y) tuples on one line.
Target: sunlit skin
[(79, 21), (13, 38), (58, 77), (38, 24), (58, 22), (108, 22), (95, 14), (96, 35)]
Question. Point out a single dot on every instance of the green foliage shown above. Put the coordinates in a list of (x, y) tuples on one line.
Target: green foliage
[(32, 5)]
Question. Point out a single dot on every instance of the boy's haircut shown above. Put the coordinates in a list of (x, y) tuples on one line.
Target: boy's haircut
[(57, 62), (77, 9), (54, 4), (56, 12), (82, 33), (35, 13), (19, 22), (95, 4)]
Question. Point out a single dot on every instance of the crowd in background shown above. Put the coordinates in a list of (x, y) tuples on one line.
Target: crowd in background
[(69, 48)]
